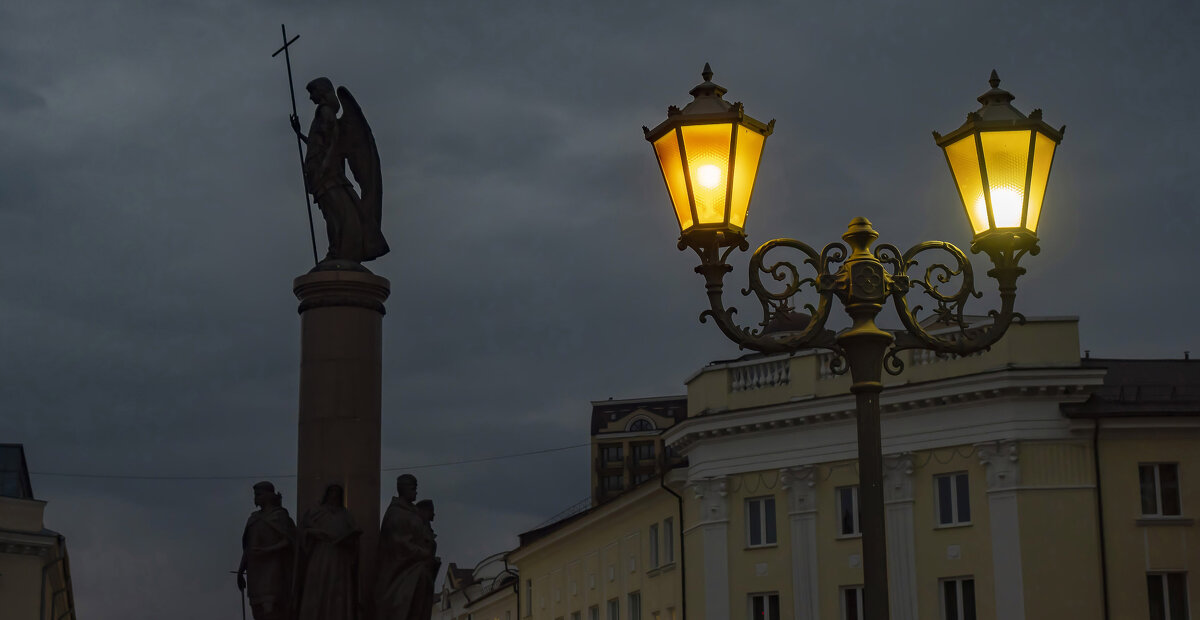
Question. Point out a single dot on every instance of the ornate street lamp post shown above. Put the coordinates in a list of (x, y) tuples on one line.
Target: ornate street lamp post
[(1000, 159)]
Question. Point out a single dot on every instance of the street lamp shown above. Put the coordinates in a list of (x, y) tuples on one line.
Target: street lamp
[(1000, 160)]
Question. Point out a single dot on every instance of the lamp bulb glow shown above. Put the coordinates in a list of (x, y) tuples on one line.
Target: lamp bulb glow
[(1006, 207), (708, 176)]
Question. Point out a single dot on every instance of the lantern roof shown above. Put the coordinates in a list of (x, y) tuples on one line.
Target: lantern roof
[(707, 105), (997, 113)]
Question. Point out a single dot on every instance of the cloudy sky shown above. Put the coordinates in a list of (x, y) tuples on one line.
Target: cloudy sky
[(152, 212)]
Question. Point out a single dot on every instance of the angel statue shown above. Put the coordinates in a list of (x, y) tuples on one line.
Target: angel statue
[(352, 222)]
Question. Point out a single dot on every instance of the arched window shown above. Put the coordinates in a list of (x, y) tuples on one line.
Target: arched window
[(640, 424)]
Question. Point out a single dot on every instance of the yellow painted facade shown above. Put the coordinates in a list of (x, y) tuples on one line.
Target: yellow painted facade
[(1015, 428), (600, 556)]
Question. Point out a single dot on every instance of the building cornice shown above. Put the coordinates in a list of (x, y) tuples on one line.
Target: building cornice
[(1060, 383)]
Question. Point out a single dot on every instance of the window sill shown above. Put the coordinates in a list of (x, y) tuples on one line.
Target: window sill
[(950, 526), (766, 546), (1172, 520), (662, 568), (848, 536)]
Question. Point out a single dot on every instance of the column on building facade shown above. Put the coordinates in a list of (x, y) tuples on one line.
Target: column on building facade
[(999, 459), (901, 536), (712, 494), (800, 483)]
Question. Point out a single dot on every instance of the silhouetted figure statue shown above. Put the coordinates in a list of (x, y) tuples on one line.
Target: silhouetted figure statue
[(407, 565), (327, 565), (268, 550), (425, 509), (352, 222)]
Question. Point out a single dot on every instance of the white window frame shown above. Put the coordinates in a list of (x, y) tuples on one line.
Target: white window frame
[(1158, 490), (955, 518), (635, 605), (858, 595), (960, 612), (766, 603), (653, 540), (594, 612), (614, 609), (1166, 593), (668, 530), (855, 517), (766, 511)]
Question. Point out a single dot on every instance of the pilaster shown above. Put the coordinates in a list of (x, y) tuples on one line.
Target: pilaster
[(712, 494), (1000, 460), (901, 535), (800, 484)]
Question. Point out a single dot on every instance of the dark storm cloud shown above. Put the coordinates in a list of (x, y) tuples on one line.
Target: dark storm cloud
[(153, 221)]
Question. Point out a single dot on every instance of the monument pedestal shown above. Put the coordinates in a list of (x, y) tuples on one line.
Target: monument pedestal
[(341, 329)]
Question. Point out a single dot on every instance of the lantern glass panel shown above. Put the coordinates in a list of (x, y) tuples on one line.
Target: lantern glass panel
[(1006, 154), (745, 169), (964, 163), (1043, 154), (667, 150), (707, 148)]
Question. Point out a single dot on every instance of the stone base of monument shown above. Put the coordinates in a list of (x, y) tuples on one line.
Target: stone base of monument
[(341, 329)]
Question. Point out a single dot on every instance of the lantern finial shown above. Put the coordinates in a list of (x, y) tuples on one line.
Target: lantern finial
[(707, 73)]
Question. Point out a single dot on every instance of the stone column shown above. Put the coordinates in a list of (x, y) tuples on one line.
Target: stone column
[(800, 483), (999, 459), (714, 533), (901, 535), (341, 328)]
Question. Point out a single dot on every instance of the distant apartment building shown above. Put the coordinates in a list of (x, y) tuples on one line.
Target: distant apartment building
[(1020, 483), (35, 574), (627, 446)]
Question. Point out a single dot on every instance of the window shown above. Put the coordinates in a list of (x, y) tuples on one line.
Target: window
[(614, 609), (668, 540), (611, 483), (640, 424), (635, 606), (576, 616), (643, 451), (1168, 596), (611, 453), (953, 499), (760, 521), (1160, 489), (640, 478), (594, 612), (852, 602), (847, 506), (764, 606), (958, 598), (654, 545), (528, 597)]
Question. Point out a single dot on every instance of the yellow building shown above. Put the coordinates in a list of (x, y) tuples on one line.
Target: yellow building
[(627, 446), (35, 575), (997, 465)]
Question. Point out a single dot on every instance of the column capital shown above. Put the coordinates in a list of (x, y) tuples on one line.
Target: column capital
[(1000, 460), (712, 493), (898, 477), (800, 483)]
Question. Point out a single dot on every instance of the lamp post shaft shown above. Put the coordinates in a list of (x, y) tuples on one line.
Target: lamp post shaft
[(864, 290)]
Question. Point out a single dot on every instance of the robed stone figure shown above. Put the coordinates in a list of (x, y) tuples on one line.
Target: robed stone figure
[(268, 550), (407, 564), (327, 563), (352, 221)]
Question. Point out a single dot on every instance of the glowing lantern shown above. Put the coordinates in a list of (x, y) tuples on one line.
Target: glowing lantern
[(709, 153)]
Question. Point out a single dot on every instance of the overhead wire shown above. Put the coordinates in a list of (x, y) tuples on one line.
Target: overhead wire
[(276, 476)]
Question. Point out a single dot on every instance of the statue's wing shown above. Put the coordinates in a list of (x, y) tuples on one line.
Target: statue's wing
[(357, 143)]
